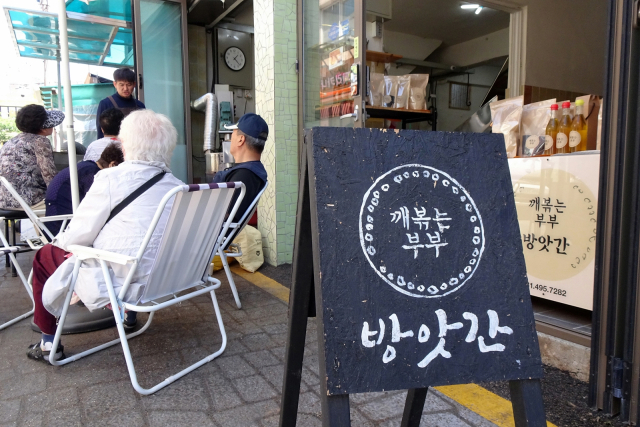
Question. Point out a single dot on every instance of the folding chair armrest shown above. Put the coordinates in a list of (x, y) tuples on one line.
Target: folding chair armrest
[(85, 252), (234, 254), (40, 212), (56, 218)]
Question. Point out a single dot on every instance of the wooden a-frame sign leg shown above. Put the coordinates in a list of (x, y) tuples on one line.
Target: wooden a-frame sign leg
[(305, 301)]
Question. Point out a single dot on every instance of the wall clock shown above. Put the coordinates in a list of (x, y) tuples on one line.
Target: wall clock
[(234, 58)]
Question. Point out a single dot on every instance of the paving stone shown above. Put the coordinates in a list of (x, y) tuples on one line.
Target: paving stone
[(257, 342), (435, 403), (464, 413), (278, 328), (262, 358), (64, 417), (46, 400), (234, 367), (442, 419), (117, 418), (389, 406), (223, 394), (309, 403), (358, 419), (248, 415), (254, 389), (186, 394), (32, 420), (9, 410), (239, 388), (21, 385), (273, 374), (179, 418), (310, 378), (100, 401), (278, 352)]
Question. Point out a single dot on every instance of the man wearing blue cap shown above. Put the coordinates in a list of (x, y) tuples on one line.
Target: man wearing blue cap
[(247, 142)]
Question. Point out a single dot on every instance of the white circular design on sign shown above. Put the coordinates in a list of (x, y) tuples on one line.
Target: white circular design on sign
[(421, 231)]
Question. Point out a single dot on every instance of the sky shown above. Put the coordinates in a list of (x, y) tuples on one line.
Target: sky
[(22, 76)]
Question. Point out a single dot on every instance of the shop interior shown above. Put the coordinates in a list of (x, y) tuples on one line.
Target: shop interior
[(229, 74), (452, 61), (463, 52)]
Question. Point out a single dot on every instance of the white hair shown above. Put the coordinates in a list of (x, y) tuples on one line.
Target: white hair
[(148, 136)]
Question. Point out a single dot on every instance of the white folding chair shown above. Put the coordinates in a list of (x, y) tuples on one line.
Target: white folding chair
[(44, 236), (236, 228), (191, 237)]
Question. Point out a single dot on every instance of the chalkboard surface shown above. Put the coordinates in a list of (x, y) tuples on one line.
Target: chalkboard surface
[(419, 259)]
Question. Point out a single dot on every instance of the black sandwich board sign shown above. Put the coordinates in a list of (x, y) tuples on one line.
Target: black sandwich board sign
[(411, 244)]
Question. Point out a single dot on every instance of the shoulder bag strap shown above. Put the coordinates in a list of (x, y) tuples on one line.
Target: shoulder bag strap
[(137, 193), (113, 101)]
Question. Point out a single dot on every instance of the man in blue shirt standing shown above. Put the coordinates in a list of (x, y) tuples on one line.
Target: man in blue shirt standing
[(123, 100)]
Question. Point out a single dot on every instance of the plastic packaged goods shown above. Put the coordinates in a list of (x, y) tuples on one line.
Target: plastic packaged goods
[(390, 91), (535, 118), (376, 87), (578, 133), (506, 115), (562, 138), (402, 97), (551, 132), (417, 96)]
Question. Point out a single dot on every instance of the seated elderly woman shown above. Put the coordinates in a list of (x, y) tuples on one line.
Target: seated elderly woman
[(148, 140), (26, 160)]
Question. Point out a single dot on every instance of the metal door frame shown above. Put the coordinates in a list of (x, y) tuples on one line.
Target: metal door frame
[(615, 345), (139, 69)]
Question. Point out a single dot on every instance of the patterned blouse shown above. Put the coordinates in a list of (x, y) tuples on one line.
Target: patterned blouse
[(26, 161)]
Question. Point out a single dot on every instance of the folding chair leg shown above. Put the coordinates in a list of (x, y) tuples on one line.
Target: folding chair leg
[(172, 378), (13, 232), (6, 233), (123, 338), (25, 282), (227, 270)]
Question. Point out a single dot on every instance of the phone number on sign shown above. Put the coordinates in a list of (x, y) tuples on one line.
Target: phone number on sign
[(548, 289)]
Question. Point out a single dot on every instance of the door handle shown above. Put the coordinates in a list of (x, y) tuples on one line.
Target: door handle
[(354, 114)]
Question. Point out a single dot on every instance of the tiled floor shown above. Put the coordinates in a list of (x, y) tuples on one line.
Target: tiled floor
[(240, 388)]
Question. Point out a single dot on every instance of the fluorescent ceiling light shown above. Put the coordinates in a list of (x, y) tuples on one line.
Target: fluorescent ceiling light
[(478, 10), (470, 6)]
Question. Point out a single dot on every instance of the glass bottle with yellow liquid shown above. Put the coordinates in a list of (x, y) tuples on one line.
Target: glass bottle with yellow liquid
[(551, 132), (564, 129), (578, 134)]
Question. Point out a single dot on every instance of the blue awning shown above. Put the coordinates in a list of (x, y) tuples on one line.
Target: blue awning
[(114, 9), (93, 39)]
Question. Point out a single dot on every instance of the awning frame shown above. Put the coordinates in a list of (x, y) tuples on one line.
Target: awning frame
[(117, 24)]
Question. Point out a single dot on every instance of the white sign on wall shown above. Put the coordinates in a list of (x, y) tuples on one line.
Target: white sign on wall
[(556, 201)]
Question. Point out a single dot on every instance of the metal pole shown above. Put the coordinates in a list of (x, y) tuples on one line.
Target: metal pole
[(60, 107), (64, 61)]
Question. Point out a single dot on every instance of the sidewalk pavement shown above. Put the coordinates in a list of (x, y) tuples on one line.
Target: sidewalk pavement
[(240, 388)]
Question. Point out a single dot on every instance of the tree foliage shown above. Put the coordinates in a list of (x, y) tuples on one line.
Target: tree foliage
[(8, 129)]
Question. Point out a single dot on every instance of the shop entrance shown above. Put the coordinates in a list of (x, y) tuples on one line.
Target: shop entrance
[(349, 46)]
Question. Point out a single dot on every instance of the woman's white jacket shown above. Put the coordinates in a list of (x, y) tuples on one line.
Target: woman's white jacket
[(123, 234)]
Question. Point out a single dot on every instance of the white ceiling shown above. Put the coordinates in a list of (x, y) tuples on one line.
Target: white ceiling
[(444, 20)]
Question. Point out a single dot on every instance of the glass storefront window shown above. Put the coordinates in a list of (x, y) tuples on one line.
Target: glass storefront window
[(328, 55)]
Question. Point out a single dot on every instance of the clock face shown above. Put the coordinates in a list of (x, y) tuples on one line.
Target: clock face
[(234, 58)]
